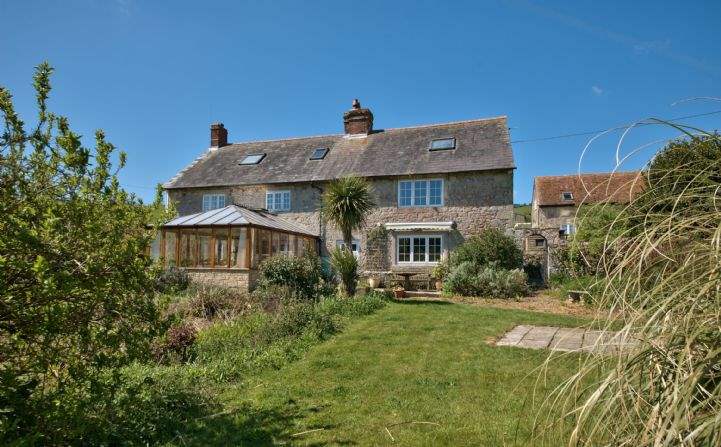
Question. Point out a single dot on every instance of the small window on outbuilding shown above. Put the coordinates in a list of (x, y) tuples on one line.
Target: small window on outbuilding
[(442, 144), (540, 243), (252, 159), (319, 153), (567, 195)]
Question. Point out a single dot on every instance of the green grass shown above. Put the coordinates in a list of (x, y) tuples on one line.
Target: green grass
[(409, 362)]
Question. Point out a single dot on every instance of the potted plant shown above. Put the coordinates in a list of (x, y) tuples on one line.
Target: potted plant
[(399, 291), (439, 273), (373, 282)]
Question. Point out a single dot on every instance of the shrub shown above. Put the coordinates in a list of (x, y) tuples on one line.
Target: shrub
[(301, 274), (172, 280), (499, 283), (212, 302), (175, 345), (346, 265), (462, 280), (491, 246), (490, 281)]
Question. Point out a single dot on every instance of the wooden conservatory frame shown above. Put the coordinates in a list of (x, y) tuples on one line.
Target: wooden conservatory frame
[(230, 238)]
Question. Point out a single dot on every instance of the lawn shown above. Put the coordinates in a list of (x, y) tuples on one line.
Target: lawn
[(414, 373)]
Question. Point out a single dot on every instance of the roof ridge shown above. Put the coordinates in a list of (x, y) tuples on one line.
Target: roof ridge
[(586, 174), (418, 126), (450, 123)]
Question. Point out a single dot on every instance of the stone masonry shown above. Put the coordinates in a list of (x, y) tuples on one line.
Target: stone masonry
[(230, 278), (473, 201)]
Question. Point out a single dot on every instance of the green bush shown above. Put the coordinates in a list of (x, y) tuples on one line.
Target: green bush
[(490, 246), (462, 280), (301, 274), (488, 281)]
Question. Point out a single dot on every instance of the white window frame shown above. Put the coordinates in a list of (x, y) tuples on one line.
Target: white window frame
[(270, 205), (208, 201), (356, 251), (428, 192), (418, 236), (570, 196)]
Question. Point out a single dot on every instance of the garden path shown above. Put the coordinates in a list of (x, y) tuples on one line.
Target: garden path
[(563, 339)]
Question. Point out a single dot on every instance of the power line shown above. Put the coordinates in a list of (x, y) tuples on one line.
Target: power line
[(595, 132)]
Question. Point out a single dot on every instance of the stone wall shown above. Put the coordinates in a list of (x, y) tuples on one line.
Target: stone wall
[(554, 216), (230, 278), (473, 201)]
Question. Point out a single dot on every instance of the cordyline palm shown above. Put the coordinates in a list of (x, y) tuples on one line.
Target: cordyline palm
[(346, 202)]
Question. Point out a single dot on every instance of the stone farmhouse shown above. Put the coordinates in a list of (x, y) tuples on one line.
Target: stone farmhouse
[(557, 199), (434, 185)]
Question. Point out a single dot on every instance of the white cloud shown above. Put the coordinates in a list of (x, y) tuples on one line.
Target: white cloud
[(598, 91)]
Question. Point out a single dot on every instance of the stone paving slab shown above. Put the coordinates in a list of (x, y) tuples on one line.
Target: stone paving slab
[(561, 339)]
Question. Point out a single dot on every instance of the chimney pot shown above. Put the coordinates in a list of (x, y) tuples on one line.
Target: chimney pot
[(357, 120), (218, 135)]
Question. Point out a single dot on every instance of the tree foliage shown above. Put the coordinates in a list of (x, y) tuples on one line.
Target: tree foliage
[(76, 291)]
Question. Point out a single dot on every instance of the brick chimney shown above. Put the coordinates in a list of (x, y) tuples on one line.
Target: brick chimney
[(218, 135), (358, 121)]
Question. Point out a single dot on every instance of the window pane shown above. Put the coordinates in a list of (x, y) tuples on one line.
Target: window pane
[(445, 143), (170, 242), (434, 249), (404, 249), (286, 201), (206, 203), (283, 243), (252, 159), (405, 194), (220, 247), (204, 249), (187, 249), (221, 201), (292, 244), (419, 249), (436, 192), (420, 193), (268, 201), (238, 241)]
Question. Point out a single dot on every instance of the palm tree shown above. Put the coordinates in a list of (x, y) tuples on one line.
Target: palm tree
[(346, 202)]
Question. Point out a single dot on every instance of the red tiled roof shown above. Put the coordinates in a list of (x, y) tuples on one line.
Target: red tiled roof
[(613, 187)]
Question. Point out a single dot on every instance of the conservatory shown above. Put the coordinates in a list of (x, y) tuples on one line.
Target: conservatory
[(225, 246)]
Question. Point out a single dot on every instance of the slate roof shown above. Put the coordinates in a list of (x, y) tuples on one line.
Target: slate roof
[(235, 215), (612, 187), (480, 145)]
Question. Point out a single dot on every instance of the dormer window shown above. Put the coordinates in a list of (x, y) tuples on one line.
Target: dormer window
[(567, 195), (252, 159), (442, 144), (319, 153)]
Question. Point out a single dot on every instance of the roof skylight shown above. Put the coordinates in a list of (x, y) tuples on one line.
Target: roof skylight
[(319, 153), (442, 144), (567, 195), (252, 159)]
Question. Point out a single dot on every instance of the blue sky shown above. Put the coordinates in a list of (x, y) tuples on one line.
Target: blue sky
[(154, 75)]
